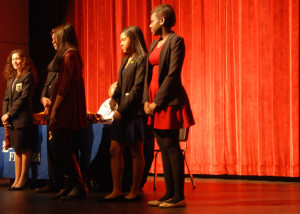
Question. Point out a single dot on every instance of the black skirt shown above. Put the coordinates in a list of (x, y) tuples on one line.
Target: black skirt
[(128, 131), (21, 138)]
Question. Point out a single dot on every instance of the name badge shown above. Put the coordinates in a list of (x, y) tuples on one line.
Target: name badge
[(19, 87)]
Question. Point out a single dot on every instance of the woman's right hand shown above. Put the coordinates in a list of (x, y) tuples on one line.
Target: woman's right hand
[(146, 108), (4, 118), (46, 102)]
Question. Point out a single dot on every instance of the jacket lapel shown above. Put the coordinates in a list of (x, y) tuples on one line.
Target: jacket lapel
[(163, 53), (9, 86)]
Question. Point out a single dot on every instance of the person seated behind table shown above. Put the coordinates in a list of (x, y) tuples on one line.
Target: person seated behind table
[(105, 110)]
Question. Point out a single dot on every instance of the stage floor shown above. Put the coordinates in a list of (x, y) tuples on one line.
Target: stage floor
[(210, 196)]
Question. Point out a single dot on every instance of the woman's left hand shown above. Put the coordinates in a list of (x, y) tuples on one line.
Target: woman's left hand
[(152, 108), (52, 120), (117, 116)]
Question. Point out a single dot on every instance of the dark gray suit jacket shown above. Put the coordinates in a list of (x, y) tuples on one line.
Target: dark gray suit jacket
[(49, 84), (171, 91), (18, 102), (129, 90)]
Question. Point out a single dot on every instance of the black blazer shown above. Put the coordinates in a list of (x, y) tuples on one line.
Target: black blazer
[(129, 90), (18, 102), (171, 91), (49, 84), (51, 77)]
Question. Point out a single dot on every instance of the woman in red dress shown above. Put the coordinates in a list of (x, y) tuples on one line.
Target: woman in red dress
[(166, 102)]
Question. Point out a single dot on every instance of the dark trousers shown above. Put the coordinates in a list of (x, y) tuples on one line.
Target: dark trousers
[(173, 162), (63, 152), (56, 178), (82, 151)]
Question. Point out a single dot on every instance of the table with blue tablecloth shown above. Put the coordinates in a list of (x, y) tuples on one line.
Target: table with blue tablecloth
[(39, 165)]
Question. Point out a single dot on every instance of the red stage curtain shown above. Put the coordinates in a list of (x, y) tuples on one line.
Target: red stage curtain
[(241, 73)]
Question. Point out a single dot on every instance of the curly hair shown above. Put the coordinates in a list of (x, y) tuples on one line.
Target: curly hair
[(9, 70)]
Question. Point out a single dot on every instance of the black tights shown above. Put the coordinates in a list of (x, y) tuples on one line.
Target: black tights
[(173, 163)]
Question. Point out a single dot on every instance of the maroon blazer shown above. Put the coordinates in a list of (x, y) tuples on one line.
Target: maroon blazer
[(71, 114), (171, 91)]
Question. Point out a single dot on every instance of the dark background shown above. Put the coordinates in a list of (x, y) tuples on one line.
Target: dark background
[(43, 17)]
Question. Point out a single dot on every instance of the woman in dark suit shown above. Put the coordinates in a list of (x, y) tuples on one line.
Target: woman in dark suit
[(129, 119), (166, 102), (17, 113)]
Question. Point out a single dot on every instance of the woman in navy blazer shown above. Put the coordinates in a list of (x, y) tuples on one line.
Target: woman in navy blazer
[(166, 102), (129, 119), (17, 113)]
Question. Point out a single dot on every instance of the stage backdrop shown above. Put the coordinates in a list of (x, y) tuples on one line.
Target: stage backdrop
[(241, 72)]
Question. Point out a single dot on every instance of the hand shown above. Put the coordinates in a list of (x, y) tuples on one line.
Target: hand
[(117, 116), (46, 102), (113, 104), (52, 120), (4, 119), (146, 108), (46, 111), (152, 108)]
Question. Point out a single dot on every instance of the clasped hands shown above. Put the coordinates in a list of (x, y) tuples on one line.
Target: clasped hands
[(46, 103), (113, 106), (149, 108)]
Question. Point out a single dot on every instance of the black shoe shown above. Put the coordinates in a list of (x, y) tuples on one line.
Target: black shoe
[(17, 188), (135, 199), (62, 192), (115, 199), (75, 194), (10, 188)]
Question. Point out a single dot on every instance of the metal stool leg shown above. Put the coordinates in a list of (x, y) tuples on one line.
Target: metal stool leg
[(191, 175)]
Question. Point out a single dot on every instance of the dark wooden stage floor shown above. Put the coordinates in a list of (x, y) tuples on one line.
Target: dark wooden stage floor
[(210, 196)]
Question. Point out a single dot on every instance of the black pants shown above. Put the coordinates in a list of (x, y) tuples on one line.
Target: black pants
[(63, 152), (173, 162), (56, 178)]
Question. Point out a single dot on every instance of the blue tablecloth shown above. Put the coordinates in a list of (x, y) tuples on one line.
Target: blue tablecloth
[(39, 165)]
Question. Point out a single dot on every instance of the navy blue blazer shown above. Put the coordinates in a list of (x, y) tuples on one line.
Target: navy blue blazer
[(129, 90), (18, 102)]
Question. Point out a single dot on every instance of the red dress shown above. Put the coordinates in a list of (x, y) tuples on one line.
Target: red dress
[(168, 117)]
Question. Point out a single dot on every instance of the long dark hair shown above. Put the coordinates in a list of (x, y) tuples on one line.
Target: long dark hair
[(66, 38), (137, 39)]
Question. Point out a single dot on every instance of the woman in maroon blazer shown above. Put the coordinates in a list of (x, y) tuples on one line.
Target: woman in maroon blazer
[(17, 112), (68, 111), (166, 102)]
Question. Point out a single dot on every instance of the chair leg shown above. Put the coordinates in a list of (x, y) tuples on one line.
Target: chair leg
[(155, 172), (191, 175)]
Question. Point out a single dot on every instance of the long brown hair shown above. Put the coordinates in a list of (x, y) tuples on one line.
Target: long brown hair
[(137, 39), (9, 70), (66, 38)]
